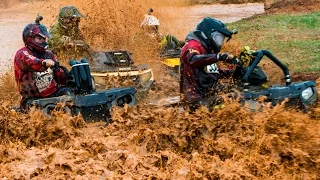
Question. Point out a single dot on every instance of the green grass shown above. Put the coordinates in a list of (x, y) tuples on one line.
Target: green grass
[(294, 39)]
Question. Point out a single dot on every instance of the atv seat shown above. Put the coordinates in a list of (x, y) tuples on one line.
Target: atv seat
[(80, 77)]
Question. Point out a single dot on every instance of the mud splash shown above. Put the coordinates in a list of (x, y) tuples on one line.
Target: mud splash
[(157, 143)]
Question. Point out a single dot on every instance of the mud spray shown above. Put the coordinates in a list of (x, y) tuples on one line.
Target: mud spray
[(147, 142)]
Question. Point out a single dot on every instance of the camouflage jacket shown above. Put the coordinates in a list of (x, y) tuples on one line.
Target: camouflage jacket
[(60, 44)]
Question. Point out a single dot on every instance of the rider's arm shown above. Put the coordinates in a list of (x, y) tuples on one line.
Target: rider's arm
[(60, 73), (201, 60), (27, 62), (194, 53), (196, 57)]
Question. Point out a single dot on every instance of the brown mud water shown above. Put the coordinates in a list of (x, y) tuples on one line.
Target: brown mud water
[(149, 142)]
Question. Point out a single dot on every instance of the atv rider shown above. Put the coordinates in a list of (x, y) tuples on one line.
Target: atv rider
[(198, 72), (170, 42), (33, 66), (67, 41)]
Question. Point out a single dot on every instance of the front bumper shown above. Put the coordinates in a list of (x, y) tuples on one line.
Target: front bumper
[(142, 78)]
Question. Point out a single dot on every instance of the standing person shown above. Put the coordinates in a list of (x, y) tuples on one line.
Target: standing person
[(150, 24), (67, 40), (33, 66), (198, 72)]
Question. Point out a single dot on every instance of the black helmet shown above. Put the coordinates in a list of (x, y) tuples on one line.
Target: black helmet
[(212, 31)]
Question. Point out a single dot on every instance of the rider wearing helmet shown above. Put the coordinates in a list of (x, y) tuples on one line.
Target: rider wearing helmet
[(67, 41), (32, 66), (198, 72)]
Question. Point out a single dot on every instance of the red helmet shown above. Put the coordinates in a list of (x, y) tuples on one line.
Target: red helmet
[(32, 30)]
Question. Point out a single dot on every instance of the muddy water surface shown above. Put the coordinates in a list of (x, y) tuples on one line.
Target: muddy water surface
[(180, 20)]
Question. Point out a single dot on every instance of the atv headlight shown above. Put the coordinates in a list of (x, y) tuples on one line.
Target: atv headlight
[(144, 78), (307, 93)]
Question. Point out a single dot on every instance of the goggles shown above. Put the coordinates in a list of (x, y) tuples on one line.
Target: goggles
[(218, 38)]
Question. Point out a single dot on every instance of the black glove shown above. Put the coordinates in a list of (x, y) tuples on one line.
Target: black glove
[(229, 58)]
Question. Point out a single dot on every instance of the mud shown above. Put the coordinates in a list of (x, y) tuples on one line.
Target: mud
[(148, 142), (293, 6), (156, 143)]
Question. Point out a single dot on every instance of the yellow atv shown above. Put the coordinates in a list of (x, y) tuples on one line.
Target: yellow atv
[(171, 59), (170, 53), (119, 65)]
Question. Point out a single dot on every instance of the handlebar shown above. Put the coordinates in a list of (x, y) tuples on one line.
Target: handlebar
[(259, 55)]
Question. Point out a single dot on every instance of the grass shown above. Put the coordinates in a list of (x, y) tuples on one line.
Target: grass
[(294, 39)]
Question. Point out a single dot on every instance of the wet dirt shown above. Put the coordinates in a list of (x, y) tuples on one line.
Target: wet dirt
[(294, 6), (148, 142)]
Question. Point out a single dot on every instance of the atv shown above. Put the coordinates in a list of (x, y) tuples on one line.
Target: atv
[(171, 59), (251, 81), (250, 84), (84, 99), (119, 63)]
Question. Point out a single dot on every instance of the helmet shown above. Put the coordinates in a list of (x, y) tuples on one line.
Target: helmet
[(213, 32), (69, 13), (36, 29)]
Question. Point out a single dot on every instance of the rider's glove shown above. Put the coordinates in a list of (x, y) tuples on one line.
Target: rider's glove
[(229, 58), (48, 63)]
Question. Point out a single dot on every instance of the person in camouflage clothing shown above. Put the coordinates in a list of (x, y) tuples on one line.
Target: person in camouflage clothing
[(67, 40)]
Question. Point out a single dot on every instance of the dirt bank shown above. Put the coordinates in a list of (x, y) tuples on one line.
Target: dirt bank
[(291, 6)]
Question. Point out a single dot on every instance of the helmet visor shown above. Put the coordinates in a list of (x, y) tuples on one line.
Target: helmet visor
[(218, 38), (44, 32)]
